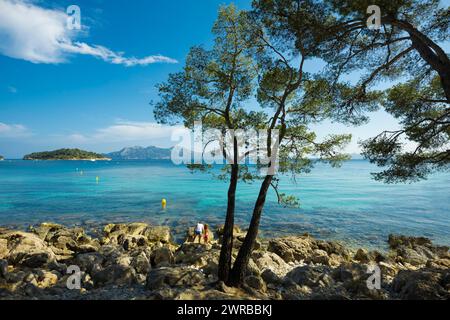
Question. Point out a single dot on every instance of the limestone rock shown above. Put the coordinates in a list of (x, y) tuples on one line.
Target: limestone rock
[(319, 257), (354, 277), (141, 263), (3, 268), (131, 242), (115, 274), (333, 247), (46, 279), (269, 260), (428, 284), (365, 256), (174, 276), (292, 249), (396, 241), (271, 277), (89, 262), (161, 256), (198, 255), (416, 250), (362, 256), (27, 249), (3, 248), (65, 241), (256, 283), (443, 263), (311, 276), (158, 233), (120, 233), (349, 272)]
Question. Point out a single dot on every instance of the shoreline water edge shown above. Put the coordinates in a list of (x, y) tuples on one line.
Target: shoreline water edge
[(141, 261)]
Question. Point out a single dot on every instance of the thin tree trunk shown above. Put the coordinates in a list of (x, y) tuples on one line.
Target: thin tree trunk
[(240, 265), (227, 236)]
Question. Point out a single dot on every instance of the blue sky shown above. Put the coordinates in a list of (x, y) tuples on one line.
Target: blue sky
[(93, 91)]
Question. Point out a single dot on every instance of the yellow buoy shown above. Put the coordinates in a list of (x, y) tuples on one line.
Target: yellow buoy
[(163, 203), (97, 178)]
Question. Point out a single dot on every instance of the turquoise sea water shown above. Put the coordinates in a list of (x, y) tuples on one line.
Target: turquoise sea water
[(343, 204)]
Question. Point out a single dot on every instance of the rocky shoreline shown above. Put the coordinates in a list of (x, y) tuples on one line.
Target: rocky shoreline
[(140, 261)]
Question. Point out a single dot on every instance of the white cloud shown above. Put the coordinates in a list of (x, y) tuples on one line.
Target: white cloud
[(40, 35), (13, 131), (126, 131)]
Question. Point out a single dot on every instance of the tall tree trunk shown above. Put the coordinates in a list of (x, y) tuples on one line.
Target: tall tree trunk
[(441, 66), (227, 236), (429, 51), (241, 263)]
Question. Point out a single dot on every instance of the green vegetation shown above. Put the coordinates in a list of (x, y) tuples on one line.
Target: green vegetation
[(260, 54), (251, 59), (65, 154), (408, 50)]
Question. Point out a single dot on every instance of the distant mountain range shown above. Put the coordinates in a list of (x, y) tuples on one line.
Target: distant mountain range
[(130, 153), (140, 153)]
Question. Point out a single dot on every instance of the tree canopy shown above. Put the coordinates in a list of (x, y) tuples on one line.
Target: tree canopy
[(254, 77), (406, 54)]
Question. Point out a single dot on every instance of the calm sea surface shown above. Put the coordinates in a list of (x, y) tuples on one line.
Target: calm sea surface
[(339, 204)]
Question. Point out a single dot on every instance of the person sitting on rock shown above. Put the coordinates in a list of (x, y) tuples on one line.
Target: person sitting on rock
[(199, 231), (205, 234)]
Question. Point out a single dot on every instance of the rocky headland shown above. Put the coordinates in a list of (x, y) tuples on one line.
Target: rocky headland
[(140, 261)]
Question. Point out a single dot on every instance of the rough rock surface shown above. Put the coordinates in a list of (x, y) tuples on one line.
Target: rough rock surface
[(139, 261)]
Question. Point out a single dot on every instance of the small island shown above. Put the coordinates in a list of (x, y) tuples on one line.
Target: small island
[(2, 158), (140, 153), (65, 154)]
